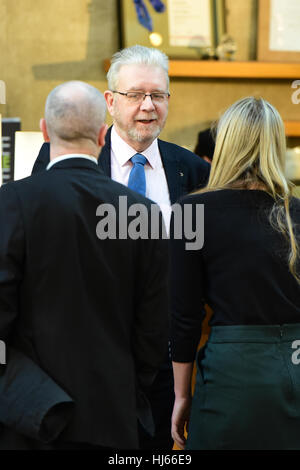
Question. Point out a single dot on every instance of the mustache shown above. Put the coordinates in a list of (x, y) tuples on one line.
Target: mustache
[(146, 118)]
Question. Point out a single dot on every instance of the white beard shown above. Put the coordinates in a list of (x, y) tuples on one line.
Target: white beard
[(137, 136)]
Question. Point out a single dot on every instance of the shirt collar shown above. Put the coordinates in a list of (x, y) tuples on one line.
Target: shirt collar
[(71, 155), (123, 152)]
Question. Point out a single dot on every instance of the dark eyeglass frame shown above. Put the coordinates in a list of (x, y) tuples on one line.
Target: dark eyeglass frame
[(140, 93)]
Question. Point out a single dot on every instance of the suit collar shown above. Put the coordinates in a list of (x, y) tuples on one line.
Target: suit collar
[(54, 161), (76, 162)]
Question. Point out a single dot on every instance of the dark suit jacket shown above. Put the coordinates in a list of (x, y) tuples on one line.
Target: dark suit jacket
[(84, 320), (184, 170)]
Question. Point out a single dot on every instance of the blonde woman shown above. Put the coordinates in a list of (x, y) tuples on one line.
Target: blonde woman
[(247, 393)]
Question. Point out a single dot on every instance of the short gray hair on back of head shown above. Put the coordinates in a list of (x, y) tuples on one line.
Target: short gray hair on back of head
[(74, 111), (136, 55)]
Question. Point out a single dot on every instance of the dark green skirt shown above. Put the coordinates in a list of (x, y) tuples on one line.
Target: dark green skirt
[(247, 393)]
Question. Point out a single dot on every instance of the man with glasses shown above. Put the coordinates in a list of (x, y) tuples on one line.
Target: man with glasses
[(138, 99)]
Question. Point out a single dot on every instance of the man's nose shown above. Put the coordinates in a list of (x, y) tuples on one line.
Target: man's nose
[(146, 104)]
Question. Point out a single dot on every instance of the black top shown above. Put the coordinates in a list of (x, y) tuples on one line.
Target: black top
[(241, 271)]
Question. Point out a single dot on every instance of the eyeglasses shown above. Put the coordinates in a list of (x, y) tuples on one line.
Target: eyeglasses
[(138, 96)]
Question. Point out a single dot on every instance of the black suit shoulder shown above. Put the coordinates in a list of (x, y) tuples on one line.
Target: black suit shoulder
[(183, 153), (192, 168), (185, 156)]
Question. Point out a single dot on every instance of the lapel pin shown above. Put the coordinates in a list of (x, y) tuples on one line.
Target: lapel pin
[(180, 173)]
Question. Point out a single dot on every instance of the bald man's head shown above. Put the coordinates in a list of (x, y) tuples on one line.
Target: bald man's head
[(74, 113)]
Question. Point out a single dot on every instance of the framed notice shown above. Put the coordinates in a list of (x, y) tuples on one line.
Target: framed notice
[(187, 29), (279, 31), (9, 127)]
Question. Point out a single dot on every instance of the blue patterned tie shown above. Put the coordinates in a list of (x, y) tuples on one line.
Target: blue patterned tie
[(137, 179)]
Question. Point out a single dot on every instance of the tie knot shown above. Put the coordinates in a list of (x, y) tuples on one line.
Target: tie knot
[(138, 158)]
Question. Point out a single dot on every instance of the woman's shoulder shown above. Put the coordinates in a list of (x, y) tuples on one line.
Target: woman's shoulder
[(202, 197), (295, 205), (226, 197)]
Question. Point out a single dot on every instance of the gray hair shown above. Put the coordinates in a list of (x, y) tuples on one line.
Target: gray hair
[(136, 55), (74, 111)]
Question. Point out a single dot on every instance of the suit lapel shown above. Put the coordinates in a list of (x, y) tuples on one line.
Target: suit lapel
[(171, 167), (104, 157)]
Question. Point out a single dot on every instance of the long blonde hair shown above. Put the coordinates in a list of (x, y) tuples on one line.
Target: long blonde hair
[(250, 154)]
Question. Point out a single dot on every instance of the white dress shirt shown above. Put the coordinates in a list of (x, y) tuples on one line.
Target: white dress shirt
[(71, 155), (156, 183)]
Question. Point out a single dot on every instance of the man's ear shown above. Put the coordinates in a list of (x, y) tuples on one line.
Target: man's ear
[(109, 98), (43, 127), (207, 159), (102, 134)]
